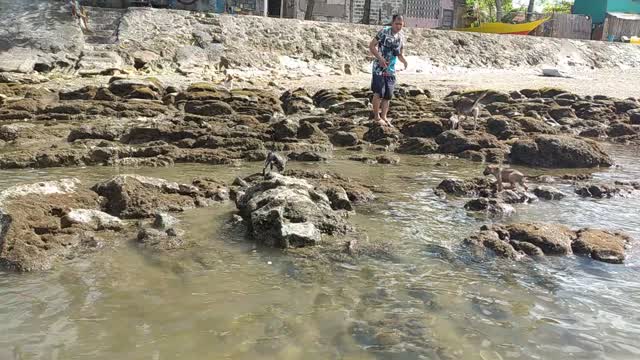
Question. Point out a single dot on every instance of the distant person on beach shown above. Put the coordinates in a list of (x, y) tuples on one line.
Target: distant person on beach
[(387, 47)]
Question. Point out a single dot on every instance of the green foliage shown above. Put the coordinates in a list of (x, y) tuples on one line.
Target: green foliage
[(558, 6), (486, 9)]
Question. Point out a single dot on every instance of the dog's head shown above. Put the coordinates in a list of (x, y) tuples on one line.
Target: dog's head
[(491, 169)]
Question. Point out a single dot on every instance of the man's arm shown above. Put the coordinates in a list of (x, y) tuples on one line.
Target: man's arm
[(402, 59), (373, 48)]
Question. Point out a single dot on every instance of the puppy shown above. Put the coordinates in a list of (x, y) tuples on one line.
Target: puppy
[(511, 176), (451, 124), (274, 160), (465, 107)]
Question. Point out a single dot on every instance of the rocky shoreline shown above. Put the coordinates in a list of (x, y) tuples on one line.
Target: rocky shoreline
[(139, 122)]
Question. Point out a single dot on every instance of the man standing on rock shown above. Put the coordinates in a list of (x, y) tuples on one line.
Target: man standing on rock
[(387, 47)]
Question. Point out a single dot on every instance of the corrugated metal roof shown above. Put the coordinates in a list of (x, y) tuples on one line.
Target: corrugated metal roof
[(625, 16)]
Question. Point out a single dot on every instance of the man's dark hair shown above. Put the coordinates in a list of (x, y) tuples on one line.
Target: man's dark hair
[(397, 17)]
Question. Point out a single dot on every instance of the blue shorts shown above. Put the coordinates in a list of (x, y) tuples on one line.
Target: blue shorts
[(383, 85)]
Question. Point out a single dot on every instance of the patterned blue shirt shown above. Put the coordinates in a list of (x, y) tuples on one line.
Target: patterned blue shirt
[(389, 47)]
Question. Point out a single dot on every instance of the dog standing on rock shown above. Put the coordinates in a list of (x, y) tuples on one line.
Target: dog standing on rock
[(274, 160), (466, 107), (511, 176)]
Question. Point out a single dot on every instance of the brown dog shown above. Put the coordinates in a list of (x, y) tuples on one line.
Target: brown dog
[(511, 176), (465, 107)]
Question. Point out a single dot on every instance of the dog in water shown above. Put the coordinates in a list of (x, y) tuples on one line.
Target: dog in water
[(511, 176), (274, 160), (467, 107)]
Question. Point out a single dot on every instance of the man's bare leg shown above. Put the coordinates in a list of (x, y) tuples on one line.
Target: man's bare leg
[(385, 110), (376, 107)]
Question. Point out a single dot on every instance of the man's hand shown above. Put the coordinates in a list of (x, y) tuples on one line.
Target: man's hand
[(404, 62), (383, 63)]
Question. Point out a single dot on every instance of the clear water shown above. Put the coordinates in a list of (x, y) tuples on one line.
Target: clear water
[(224, 299)]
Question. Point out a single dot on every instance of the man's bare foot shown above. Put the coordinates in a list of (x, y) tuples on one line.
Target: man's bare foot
[(386, 122)]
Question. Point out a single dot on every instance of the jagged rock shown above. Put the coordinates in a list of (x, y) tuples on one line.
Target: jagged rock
[(337, 196), (515, 196), (490, 239), (128, 87), (307, 156), (383, 135), (417, 146), (284, 130), (561, 113), (135, 196), (286, 212), (110, 133), (602, 245), (162, 240), (312, 132), (164, 221), (548, 193), (423, 128), (208, 108), (622, 106), (455, 142), (594, 132), (31, 236), (504, 128), (534, 239), (357, 193), (91, 218), (559, 151), (472, 155), (296, 101), (492, 207), (387, 159), (468, 188), (343, 138), (619, 129), (604, 190)]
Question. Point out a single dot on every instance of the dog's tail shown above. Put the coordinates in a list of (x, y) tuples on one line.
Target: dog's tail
[(479, 99)]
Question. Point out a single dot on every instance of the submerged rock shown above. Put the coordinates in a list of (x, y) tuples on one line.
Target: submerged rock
[(548, 193), (492, 207), (469, 187), (602, 245), (604, 190), (537, 239)]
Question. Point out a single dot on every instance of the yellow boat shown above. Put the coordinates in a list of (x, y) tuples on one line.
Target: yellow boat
[(503, 28)]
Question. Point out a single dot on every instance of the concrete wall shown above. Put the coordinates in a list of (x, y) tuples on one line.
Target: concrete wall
[(628, 6), (428, 13), (386, 8), (325, 10), (594, 8)]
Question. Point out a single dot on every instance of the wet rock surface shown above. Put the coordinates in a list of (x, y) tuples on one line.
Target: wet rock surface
[(45, 222), (514, 241), (135, 196), (283, 212)]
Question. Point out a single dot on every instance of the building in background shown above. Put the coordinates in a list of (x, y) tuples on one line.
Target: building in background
[(418, 13), (611, 19)]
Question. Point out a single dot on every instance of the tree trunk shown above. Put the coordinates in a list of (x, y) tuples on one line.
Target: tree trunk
[(308, 14), (366, 17), (499, 12), (532, 3)]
